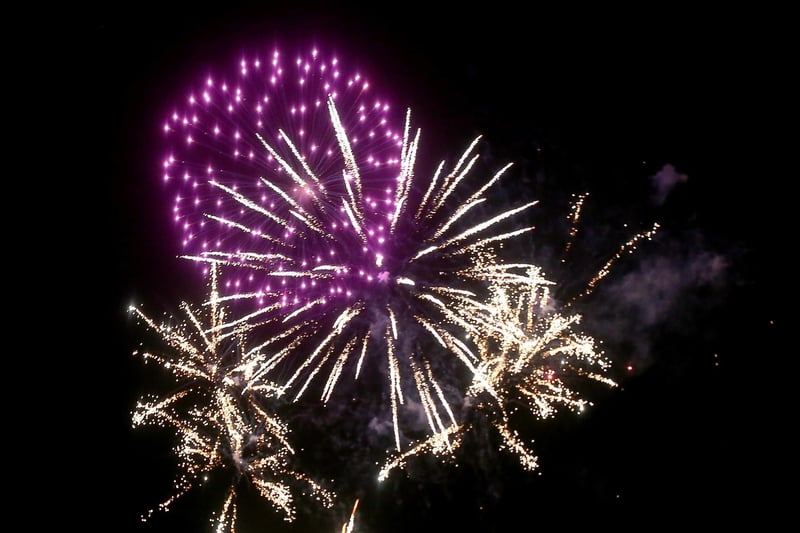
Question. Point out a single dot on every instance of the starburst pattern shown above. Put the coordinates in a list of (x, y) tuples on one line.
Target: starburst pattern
[(355, 253), (240, 154), (528, 368), (535, 365), (220, 413)]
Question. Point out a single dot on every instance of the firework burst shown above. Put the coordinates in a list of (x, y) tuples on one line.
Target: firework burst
[(240, 155), (220, 414), (535, 366), (529, 368), (323, 227)]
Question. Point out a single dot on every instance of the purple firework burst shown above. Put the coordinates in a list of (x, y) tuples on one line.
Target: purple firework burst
[(218, 154), (296, 180)]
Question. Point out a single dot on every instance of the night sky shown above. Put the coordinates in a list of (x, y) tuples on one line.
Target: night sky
[(581, 102)]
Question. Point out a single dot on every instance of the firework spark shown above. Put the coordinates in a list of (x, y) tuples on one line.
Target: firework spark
[(330, 233), (628, 247), (348, 526), (220, 414)]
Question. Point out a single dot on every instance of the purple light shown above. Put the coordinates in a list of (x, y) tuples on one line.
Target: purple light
[(263, 201)]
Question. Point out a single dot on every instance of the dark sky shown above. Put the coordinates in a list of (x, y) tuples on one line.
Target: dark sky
[(597, 102)]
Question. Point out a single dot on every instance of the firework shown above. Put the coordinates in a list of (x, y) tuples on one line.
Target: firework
[(530, 368), (348, 526), (527, 368), (220, 416), (627, 247), (255, 136), (316, 214), (535, 366)]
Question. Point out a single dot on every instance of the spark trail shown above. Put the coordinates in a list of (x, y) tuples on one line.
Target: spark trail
[(348, 526)]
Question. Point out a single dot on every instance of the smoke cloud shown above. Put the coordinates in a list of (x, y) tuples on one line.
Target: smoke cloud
[(664, 181)]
